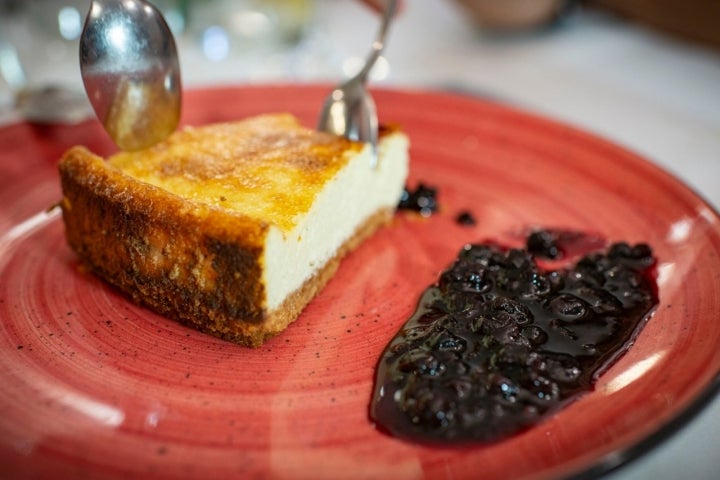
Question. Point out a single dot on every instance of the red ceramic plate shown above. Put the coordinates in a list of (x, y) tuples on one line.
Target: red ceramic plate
[(95, 386)]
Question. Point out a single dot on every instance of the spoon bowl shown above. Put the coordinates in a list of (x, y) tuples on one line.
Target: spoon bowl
[(131, 73), (349, 110)]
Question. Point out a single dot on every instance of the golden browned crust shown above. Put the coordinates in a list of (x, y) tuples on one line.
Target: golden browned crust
[(267, 167), (190, 261)]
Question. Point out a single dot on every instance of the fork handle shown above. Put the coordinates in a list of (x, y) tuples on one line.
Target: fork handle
[(379, 44)]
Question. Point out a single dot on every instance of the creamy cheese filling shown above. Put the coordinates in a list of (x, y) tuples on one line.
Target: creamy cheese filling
[(356, 193)]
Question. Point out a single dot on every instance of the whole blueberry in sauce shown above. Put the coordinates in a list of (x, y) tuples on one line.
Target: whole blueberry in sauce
[(422, 199)]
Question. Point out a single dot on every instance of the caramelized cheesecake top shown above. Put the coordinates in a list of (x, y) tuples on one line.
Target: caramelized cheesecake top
[(267, 167)]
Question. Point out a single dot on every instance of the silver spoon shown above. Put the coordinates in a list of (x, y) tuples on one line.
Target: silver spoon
[(130, 68), (349, 110)]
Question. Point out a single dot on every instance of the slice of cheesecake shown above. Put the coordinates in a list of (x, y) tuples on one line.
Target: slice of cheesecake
[(230, 228)]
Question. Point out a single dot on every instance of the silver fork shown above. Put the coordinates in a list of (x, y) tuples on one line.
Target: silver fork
[(349, 110)]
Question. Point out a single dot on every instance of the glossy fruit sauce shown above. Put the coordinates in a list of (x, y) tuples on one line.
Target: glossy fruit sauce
[(498, 342)]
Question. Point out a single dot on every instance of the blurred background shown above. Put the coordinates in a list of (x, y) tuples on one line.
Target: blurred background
[(434, 42), (642, 73)]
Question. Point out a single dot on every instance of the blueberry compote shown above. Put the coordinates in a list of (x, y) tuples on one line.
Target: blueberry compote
[(423, 200), (498, 343)]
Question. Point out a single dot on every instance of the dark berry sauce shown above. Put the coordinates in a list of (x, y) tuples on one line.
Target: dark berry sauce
[(558, 244), (498, 343), (423, 199)]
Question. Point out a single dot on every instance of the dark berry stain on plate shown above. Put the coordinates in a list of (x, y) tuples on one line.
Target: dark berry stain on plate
[(465, 218), (498, 343)]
